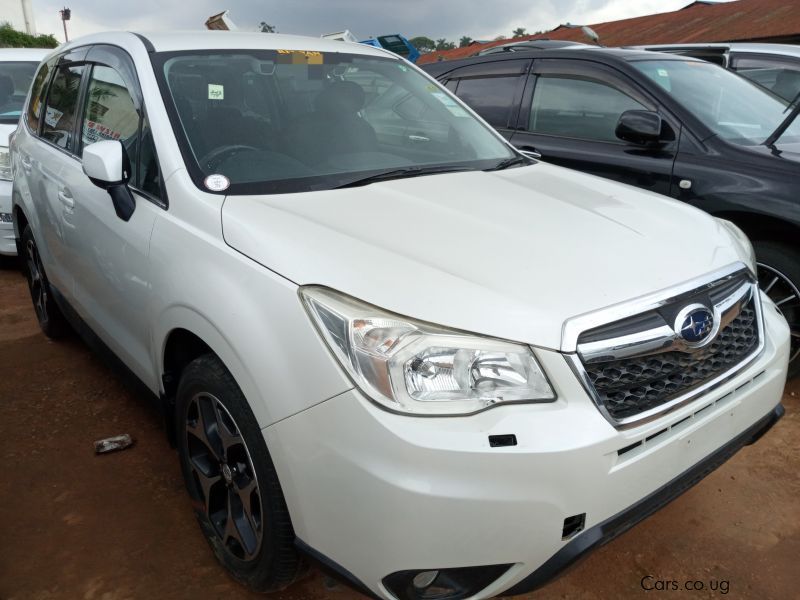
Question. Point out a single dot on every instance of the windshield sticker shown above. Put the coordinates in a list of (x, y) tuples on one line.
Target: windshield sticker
[(663, 73), (450, 104), (300, 57), (217, 182), (216, 91)]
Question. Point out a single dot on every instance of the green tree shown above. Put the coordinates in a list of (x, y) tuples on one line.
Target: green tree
[(443, 44), (265, 27), (11, 38), (464, 41), (519, 32), (423, 44)]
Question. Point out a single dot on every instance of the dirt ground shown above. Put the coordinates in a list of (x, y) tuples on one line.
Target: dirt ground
[(80, 526)]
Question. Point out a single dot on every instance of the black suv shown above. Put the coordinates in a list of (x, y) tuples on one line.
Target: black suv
[(675, 125)]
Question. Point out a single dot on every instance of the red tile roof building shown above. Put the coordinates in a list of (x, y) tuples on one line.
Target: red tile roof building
[(775, 21)]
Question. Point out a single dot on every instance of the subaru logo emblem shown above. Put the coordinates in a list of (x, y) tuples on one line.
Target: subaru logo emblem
[(695, 325)]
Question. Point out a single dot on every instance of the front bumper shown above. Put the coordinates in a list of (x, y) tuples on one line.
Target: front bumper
[(377, 493), (8, 244)]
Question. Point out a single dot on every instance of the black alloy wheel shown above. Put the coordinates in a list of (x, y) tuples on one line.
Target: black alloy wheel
[(48, 314), (223, 471), (231, 479), (779, 278), (784, 293)]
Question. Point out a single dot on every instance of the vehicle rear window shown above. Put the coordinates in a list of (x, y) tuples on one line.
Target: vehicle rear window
[(778, 76), (15, 79)]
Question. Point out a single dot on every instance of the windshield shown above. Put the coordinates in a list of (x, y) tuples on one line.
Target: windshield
[(286, 121), (735, 108), (15, 79)]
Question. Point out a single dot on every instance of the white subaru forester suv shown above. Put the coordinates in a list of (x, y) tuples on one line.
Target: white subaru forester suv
[(381, 337)]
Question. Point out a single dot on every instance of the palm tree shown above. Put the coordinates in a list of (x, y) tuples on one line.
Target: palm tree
[(464, 41), (265, 27), (519, 32)]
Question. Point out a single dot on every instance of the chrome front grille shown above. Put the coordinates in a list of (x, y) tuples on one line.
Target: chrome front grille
[(642, 365)]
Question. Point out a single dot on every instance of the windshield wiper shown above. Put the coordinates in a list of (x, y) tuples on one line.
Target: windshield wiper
[(401, 174), (519, 159), (779, 131)]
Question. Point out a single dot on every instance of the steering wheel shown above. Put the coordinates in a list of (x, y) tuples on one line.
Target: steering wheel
[(217, 155)]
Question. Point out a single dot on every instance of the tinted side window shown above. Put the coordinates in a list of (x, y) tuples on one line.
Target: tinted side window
[(38, 91), (110, 113), (578, 108), (62, 104), (781, 77), (491, 97)]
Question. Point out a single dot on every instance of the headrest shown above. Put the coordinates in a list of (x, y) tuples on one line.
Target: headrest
[(341, 97)]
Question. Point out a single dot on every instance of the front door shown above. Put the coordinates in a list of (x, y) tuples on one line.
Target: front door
[(569, 115), (111, 268)]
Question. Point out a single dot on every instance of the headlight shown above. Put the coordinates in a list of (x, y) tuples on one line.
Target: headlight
[(744, 242), (423, 369), (5, 163)]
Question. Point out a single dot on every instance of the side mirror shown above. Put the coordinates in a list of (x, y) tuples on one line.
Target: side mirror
[(107, 165), (639, 127)]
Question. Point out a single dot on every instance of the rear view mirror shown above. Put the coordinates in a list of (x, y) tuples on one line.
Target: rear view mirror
[(107, 165), (639, 127)]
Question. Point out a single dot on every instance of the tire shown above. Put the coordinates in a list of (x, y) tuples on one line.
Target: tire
[(779, 278), (228, 470), (51, 320)]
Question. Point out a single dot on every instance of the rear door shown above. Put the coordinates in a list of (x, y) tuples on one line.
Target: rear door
[(492, 89), (569, 115), (53, 169)]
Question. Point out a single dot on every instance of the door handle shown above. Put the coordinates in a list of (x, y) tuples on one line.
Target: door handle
[(418, 138), (65, 196), (530, 151), (26, 163)]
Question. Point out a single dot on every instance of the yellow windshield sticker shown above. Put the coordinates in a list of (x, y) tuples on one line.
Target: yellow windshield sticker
[(300, 57)]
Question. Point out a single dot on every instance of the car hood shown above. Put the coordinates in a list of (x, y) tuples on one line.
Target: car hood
[(511, 254)]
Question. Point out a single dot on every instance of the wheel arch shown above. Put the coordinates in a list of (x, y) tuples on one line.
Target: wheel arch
[(20, 221), (763, 227), (186, 335)]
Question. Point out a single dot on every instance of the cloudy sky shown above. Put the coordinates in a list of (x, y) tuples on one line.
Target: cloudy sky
[(449, 19)]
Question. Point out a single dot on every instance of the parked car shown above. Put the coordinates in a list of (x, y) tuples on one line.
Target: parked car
[(775, 67), (17, 67), (669, 124), (379, 333)]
